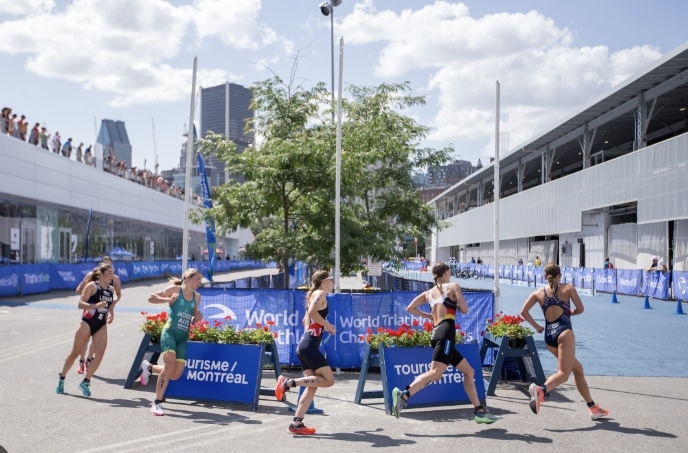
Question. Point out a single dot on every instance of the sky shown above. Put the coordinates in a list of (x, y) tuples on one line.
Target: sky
[(69, 64)]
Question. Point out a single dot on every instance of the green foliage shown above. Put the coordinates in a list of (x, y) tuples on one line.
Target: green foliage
[(288, 195)]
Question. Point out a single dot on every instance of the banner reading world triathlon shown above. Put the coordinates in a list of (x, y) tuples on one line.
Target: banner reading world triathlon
[(353, 315)]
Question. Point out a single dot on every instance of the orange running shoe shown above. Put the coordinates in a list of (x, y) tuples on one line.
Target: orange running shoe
[(301, 429), (82, 367), (280, 388), (596, 412)]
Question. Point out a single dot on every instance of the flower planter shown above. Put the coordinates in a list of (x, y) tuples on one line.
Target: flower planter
[(525, 355), (399, 366), (229, 373)]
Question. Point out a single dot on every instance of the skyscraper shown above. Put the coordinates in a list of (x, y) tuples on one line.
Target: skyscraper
[(114, 140)]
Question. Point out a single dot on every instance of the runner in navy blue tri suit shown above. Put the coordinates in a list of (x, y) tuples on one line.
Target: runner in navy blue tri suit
[(97, 304), (316, 370), (555, 299)]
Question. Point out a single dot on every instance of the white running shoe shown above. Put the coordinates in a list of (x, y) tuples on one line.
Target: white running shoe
[(145, 374), (156, 409)]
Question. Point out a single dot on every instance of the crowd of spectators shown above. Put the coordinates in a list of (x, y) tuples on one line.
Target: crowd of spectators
[(39, 136)]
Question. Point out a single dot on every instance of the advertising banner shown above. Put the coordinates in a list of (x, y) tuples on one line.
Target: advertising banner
[(605, 280), (679, 285), (220, 372), (400, 366), (628, 281), (656, 284), (35, 278), (9, 280)]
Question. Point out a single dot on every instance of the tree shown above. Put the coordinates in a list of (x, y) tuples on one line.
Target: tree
[(288, 194)]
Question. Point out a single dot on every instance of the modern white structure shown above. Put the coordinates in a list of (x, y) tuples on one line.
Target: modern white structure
[(608, 181)]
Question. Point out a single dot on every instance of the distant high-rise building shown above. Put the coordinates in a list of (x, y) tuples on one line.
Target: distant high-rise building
[(114, 140), (448, 175), (224, 110)]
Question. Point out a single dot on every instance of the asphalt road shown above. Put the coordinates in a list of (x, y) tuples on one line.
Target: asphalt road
[(633, 357)]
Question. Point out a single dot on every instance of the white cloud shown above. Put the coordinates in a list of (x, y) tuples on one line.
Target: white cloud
[(128, 47), (22, 7), (542, 74)]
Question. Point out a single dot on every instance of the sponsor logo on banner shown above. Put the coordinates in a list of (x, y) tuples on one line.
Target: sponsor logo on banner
[(682, 285), (9, 281), (36, 279), (122, 272), (214, 371), (67, 276)]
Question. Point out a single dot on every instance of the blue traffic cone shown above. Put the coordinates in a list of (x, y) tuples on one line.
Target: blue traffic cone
[(311, 409), (679, 308), (614, 299), (646, 306)]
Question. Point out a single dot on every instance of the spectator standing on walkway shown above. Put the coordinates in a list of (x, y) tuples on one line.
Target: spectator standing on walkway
[(96, 303), (538, 263), (57, 143), (5, 120), (23, 128), (653, 266), (555, 300), (88, 157), (183, 300), (80, 152), (67, 148), (608, 264), (316, 370), (12, 126), (445, 299), (44, 138), (35, 133)]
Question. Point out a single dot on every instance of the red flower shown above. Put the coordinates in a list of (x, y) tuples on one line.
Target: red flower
[(270, 323), (415, 323), (227, 318), (370, 330), (258, 324)]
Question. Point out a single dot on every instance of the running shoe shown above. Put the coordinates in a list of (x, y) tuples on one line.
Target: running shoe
[(86, 364), (145, 374), (398, 402), (85, 388), (537, 397), (301, 429), (596, 412), (82, 367), (485, 417), (60, 386), (280, 388), (156, 409)]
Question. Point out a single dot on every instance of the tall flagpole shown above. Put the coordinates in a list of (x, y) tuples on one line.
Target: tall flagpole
[(187, 179), (338, 173), (495, 188)]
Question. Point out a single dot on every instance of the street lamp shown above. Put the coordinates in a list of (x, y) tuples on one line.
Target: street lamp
[(327, 8)]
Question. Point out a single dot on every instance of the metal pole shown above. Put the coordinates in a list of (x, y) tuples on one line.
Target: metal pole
[(338, 172), (332, 53), (496, 187), (187, 179)]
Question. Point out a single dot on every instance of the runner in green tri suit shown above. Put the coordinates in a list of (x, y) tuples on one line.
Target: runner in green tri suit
[(184, 302)]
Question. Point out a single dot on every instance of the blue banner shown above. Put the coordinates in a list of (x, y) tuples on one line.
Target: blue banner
[(628, 281), (9, 280), (220, 372), (656, 284), (679, 285), (353, 315), (35, 278), (605, 280), (65, 276), (209, 223), (401, 365)]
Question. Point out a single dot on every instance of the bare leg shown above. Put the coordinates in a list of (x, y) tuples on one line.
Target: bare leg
[(99, 340), (469, 382), (322, 377), (172, 370), (581, 383), (81, 337), (566, 353), (423, 380)]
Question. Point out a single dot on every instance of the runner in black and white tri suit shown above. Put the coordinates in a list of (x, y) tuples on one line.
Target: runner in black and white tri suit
[(444, 299)]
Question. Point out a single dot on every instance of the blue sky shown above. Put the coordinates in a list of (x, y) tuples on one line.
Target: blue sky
[(69, 64)]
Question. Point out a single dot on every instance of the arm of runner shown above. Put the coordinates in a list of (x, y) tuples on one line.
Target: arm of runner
[(419, 300), (525, 312)]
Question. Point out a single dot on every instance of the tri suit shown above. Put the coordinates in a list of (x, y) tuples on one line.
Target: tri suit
[(175, 334), (555, 328), (308, 350), (96, 318), (443, 339)]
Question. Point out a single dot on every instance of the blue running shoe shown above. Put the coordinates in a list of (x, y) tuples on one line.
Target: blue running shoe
[(60, 386), (85, 388)]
